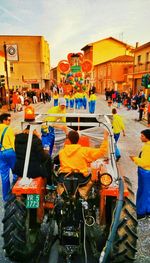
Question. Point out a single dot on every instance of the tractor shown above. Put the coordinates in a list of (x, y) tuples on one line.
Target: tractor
[(86, 217)]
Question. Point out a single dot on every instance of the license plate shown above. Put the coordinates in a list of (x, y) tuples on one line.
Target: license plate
[(33, 201)]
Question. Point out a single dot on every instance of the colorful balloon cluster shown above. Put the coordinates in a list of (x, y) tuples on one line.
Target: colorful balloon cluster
[(75, 79), (75, 62)]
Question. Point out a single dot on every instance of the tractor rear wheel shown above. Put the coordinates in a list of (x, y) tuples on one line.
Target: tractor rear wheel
[(124, 246), (20, 239)]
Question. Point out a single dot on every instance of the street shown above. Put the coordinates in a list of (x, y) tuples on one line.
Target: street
[(129, 145)]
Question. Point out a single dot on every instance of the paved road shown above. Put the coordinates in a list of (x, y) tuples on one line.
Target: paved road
[(130, 144)]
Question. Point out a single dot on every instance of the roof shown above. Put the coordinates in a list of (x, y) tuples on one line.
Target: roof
[(142, 46), (108, 38), (121, 59), (124, 58), (19, 36)]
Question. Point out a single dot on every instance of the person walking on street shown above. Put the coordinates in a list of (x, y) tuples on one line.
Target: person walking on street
[(15, 100), (143, 163), (118, 126), (7, 153), (141, 108), (55, 97), (92, 102)]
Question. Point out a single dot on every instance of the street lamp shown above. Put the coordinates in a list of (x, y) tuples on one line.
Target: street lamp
[(7, 79)]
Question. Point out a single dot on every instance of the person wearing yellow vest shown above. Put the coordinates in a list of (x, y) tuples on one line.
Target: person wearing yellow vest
[(7, 153), (66, 96), (55, 97), (71, 100), (118, 126), (60, 109), (57, 110), (77, 97), (92, 102), (143, 163), (84, 100)]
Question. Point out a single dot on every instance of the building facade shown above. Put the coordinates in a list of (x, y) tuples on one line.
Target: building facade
[(114, 74), (102, 54), (29, 58), (141, 65)]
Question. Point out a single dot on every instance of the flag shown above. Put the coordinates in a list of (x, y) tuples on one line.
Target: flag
[(12, 52)]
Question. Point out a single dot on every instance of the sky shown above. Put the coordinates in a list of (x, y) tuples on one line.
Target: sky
[(69, 25)]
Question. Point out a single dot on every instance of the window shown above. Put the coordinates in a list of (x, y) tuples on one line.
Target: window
[(139, 59), (11, 68), (125, 70), (35, 85), (147, 57), (147, 61)]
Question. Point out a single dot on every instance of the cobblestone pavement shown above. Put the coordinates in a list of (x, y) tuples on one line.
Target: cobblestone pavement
[(130, 144)]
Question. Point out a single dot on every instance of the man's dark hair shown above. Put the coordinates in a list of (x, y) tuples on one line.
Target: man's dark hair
[(114, 111), (4, 117), (146, 133), (28, 101), (73, 136)]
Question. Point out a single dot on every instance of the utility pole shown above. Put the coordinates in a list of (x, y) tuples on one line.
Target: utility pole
[(7, 79)]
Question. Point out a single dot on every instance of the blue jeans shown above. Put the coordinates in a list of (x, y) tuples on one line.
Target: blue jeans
[(7, 162), (92, 105), (117, 151), (84, 103), (143, 192), (71, 103), (76, 103)]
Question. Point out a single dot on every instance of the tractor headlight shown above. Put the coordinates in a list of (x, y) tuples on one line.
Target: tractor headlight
[(105, 179)]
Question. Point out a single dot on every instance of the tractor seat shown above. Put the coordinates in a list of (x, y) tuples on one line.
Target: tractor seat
[(72, 181)]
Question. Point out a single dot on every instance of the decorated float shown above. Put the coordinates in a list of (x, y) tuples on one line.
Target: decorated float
[(74, 71)]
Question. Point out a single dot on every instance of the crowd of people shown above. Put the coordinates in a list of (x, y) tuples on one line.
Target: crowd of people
[(17, 98), (137, 102), (75, 98)]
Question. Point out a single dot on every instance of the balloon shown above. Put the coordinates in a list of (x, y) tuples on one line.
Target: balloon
[(87, 65), (63, 66), (79, 74), (69, 58)]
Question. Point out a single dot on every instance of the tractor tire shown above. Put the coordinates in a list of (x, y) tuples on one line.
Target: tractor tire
[(124, 246), (20, 240)]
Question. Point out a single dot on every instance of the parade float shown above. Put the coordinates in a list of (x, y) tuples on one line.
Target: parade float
[(74, 71)]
